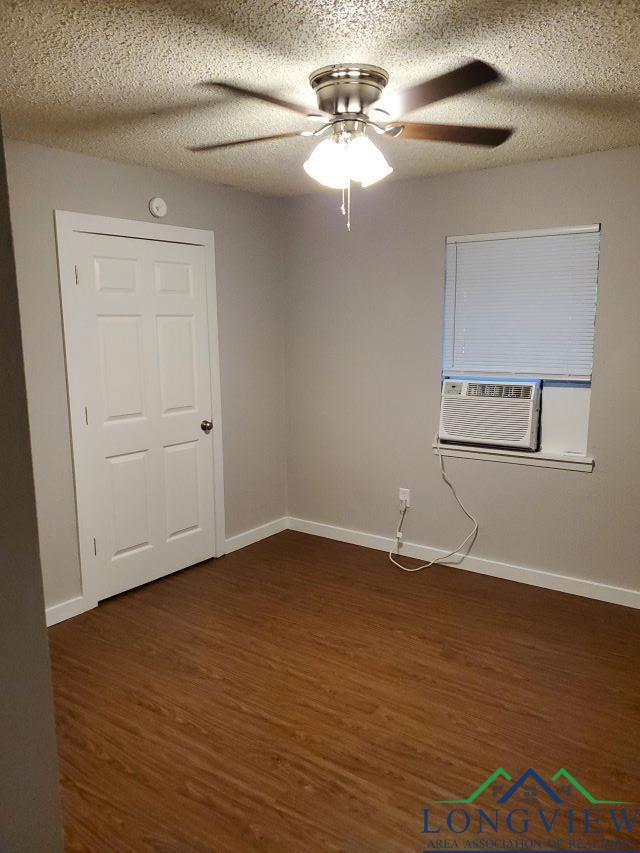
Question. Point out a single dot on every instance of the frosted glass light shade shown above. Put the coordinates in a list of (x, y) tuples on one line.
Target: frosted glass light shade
[(328, 165), (334, 164), (367, 164)]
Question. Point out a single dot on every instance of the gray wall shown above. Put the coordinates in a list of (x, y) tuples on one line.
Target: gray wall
[(363, 359), (248, 233), (29, 818), (360, 316)]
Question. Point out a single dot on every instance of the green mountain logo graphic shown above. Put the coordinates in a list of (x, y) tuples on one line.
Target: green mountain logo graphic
[(530, 775), (564, 774)]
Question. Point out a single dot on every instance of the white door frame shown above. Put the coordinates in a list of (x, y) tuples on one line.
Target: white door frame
[(67, 224)]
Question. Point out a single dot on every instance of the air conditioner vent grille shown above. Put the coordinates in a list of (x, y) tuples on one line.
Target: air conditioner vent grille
[(486, 419), (486, 389)]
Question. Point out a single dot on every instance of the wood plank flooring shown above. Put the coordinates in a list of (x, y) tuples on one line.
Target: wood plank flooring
[(305, 695)]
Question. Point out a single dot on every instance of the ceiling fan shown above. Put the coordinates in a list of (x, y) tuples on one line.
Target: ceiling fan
[(351, 105)]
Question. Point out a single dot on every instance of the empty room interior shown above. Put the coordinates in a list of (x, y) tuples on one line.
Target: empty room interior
[(321, 480)]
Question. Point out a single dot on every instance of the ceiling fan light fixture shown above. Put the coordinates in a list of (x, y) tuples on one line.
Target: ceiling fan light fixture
[(367, 164), (335, 163), (352, 101), (328, 164)]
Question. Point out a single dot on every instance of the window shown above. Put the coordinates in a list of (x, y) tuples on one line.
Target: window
[(523, 304)]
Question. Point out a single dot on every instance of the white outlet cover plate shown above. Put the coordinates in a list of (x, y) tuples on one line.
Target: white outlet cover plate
[(405, 495)]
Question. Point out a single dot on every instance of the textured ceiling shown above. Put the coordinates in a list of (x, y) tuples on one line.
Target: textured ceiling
[(119, 79)]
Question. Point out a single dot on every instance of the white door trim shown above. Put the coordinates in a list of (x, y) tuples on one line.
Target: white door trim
[(66, 224)]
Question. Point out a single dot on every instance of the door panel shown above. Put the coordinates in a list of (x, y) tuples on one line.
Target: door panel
[(116, 274), (139, 330), (173, 277), (176, 354), (120, 343), (181, 489), (129, 484)]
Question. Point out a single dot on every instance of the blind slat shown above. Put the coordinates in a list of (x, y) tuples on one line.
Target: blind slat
[(526, 305)]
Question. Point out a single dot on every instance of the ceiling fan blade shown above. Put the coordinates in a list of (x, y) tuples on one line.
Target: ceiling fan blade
[(217, 145), (464, 134), (269, 99), (463, 79)]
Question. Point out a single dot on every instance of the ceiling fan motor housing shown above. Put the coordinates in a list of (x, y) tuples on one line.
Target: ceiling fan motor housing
[(348, 89)]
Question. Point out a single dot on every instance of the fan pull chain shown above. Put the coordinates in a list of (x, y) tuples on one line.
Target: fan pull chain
[(346, 211)]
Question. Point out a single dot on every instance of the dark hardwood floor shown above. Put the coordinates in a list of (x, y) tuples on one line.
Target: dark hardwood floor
[(305, 695)]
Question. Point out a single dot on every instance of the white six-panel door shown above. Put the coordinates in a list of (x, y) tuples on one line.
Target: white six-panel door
[(139, 368)]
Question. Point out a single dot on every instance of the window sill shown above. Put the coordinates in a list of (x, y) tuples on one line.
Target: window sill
[(539, 459)]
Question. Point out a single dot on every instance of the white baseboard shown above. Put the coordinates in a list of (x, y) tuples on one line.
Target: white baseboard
[(233, 543), (343, 534), (66, 609), (507, 571)]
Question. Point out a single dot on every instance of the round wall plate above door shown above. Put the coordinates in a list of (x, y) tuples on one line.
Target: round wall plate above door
[(158, 207)]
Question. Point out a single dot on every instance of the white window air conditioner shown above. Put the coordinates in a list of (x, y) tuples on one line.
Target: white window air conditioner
[(491, 411)]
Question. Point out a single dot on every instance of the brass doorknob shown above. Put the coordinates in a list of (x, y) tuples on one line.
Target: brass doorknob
[(206, 426)]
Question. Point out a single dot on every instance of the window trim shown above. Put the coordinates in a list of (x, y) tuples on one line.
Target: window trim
[(536, 232), (538, 459)]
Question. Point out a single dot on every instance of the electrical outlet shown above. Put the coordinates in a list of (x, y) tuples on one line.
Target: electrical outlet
[(405, 495)]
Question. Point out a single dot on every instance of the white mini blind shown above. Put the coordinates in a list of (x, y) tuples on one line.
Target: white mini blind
[(521, 304)]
